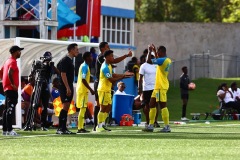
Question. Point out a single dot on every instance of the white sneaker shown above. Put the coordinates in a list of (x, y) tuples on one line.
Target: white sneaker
[(184, 119), (13, 133), (5, 133), (166, 129)]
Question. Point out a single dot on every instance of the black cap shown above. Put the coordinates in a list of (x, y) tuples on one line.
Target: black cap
[(14, 49)]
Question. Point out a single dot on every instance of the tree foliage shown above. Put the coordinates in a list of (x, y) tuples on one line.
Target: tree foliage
[(187, 10)]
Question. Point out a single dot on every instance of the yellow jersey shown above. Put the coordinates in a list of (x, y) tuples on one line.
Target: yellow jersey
[(83, 73), (163, 65), (105, 72), (137, 73)]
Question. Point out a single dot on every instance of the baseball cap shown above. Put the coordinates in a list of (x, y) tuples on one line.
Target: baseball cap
[(15, 48)]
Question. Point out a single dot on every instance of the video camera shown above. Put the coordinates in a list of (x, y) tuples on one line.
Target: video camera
[(41, 67)]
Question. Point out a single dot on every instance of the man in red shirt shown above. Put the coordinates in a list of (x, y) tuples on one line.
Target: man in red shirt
[(9, 74)]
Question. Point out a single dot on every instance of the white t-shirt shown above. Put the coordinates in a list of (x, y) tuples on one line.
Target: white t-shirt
[(149, 73), (235, 93), (119, 92), (228, 96)]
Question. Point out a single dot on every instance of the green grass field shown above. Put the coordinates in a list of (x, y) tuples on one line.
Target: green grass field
[(194, 140), (217, 140), (202, 99)]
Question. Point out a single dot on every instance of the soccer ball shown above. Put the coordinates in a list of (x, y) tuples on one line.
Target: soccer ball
[(191, 86)]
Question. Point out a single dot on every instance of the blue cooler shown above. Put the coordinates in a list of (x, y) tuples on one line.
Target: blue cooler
[(122, 104), (137, 116)]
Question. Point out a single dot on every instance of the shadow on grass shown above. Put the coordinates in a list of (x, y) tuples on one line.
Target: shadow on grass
[(155, 135)]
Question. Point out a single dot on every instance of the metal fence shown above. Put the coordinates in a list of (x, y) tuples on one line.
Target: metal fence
[(207, 66)]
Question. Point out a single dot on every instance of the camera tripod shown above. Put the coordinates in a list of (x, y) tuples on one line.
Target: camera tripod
[(35, 99)]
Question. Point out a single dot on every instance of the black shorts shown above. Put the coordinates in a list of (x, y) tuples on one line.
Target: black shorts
[(184, 96), (95, 89), (63, 94), (147, 96)]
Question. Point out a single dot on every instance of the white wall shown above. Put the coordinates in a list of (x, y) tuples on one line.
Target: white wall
[(124, 4)]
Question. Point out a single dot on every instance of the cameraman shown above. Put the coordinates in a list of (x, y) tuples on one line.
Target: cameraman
[(42, 71)]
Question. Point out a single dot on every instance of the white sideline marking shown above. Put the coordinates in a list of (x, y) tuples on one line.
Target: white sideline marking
[(32, 136), (228, 125)]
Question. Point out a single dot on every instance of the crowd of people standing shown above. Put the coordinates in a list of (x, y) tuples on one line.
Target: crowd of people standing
[(154, 62)]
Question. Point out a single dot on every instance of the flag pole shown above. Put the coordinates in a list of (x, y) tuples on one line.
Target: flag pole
[(90, 25), (74, 33)]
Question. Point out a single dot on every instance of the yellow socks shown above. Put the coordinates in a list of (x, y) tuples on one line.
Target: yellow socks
[(101, 117), (152, 115), (105, 116), (165, 116), (81, 118)]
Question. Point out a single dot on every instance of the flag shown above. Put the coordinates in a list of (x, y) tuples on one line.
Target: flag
[(64, 13), (83, 9), (57, 104)]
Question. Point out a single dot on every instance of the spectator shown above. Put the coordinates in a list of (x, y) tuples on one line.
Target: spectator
[(235, 91), (133, 66), (94, 56), (226, 96), (55, 86), (121, 86), (137, 104), (23, 82), (143, 56), (26, 96)]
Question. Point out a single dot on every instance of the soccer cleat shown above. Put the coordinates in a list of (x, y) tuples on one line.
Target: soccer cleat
[(104, 127), (146, 125), (82, 131), (149, 128), (94, 129), (184, 119), (166, 129), (156, 125), (44, 129), (28, 128), (101, 129), (13, 133), (59, 131), (67, 132), (5, 133)]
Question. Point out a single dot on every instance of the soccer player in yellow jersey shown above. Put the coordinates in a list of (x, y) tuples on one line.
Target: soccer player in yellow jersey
[(159, 94), (82, 90), (106, 79)]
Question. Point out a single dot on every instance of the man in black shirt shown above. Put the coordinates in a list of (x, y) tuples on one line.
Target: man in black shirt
[(184, 81), (66, 69), (103, 46)]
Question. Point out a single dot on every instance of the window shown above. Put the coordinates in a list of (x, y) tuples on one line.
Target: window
[(117, 30)]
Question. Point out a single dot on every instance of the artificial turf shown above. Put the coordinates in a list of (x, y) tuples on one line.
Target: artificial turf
[(217, 140)]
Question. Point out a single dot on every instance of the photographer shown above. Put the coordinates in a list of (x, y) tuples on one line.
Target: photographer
[(42, 71)]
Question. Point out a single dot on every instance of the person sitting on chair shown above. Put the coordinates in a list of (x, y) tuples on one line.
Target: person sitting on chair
[(235, 91), (225, 96), (137, 100)]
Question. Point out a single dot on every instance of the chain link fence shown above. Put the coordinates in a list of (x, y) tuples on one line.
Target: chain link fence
[(206, 65)]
